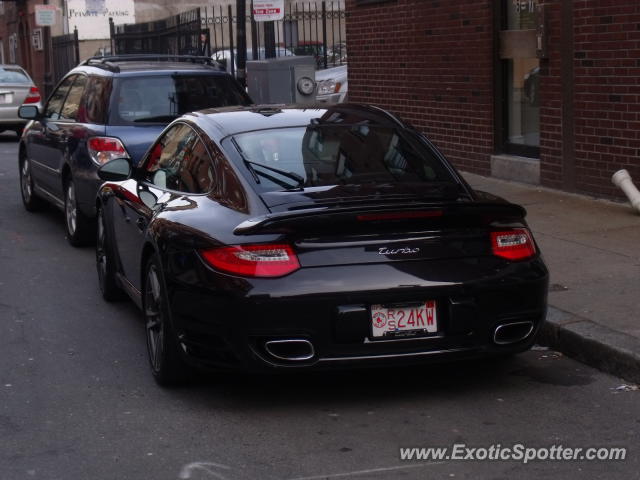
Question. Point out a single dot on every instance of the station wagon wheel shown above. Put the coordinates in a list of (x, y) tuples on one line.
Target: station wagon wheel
[(29, 199), (106, 262), (165, 359), (79, 227)]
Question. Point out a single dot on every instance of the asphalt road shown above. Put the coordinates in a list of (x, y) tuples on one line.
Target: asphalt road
[(77, 400)]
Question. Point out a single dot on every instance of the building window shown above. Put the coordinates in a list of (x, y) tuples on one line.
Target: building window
[(520, 74)]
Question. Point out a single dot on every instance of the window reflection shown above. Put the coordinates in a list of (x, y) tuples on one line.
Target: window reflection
[(522, 77), (523, 87), (324, 155)]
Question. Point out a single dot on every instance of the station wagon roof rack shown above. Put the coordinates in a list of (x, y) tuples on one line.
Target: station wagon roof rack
[(110, 62)]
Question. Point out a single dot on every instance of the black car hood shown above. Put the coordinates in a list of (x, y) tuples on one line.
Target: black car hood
[(341, 195)]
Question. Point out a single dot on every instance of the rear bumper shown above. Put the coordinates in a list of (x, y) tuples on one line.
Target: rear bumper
[(11, 121), (225, 322)]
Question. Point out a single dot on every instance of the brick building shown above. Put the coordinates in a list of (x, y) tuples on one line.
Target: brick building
[(542, 91), (17, 30)]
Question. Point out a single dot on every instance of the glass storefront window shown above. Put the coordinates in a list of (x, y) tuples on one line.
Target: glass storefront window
[(521, 77), (523, 102)]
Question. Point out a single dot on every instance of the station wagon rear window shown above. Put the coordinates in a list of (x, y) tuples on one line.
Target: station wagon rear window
[(161, 99)]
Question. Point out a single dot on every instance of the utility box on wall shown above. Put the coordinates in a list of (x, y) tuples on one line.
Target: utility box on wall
[(288, 79)]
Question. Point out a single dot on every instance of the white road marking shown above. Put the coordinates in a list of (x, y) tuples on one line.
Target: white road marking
[(187, 470), (364, 472)]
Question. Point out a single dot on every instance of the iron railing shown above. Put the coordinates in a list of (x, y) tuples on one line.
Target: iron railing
[(308, 28), (65, 54), (174, 35)]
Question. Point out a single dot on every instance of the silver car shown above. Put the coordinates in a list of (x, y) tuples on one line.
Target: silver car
[(16, 89), (332, 85)]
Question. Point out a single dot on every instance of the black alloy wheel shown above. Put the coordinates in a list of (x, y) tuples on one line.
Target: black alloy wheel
[(165, 359)]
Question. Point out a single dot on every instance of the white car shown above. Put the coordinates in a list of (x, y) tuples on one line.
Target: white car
[(16, 89), (332, 85)]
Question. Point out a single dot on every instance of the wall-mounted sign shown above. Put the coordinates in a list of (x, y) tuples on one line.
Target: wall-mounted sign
[(45, 15), (36, 39), (268, 10), (91, 17)]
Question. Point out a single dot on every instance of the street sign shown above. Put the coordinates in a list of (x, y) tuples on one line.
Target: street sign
[(45, 15), (268, 10)]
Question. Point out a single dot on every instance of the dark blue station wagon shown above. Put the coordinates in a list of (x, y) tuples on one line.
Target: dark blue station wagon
[(106, 108)]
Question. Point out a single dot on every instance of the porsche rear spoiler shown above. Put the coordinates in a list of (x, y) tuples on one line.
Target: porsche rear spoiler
[(287, 222)]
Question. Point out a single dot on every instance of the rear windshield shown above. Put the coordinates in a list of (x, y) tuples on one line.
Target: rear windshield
[(13, 75), (338, 155), (160, 99)]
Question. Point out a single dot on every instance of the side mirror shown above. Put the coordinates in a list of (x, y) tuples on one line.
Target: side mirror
[(28, 112), (116, 170)]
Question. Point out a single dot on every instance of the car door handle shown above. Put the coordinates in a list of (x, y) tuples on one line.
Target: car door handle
[(141, 223)]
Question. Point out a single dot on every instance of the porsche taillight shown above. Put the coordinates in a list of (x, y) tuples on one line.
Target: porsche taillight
[(515, 244), (268, 260)]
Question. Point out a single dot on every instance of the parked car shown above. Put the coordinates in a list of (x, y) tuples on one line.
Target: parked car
[(16, 89), (332, 85), (109, 107), (280, 239)]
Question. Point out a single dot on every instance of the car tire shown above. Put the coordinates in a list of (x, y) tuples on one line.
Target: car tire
[(31, 202), (80, 229), (165, 359), (106, 262)]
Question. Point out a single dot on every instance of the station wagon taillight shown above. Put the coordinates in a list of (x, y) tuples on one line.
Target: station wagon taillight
[(33, 96), (103, 149), (269, 260), (515, 244)]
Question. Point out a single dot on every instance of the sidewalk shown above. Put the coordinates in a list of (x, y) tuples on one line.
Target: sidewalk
[(592, 249)]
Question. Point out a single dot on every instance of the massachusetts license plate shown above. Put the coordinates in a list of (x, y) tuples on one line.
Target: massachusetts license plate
[(6, 98), (404, 321)]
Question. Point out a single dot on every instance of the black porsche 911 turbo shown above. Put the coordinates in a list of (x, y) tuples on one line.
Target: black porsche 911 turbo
[(281, 238)]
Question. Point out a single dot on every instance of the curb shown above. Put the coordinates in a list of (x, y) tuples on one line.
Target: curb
[(588, 342)]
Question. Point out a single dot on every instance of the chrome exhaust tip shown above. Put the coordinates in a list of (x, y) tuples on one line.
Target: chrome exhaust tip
[(512, 332), (291, 350)]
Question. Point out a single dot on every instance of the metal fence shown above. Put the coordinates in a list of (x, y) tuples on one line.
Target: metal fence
[(175, 35), (308, 28), (65, 54)]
